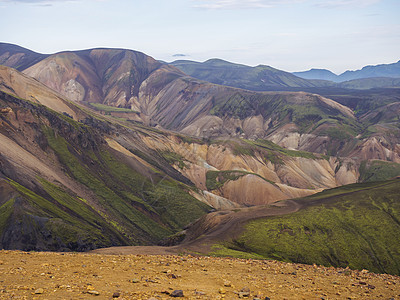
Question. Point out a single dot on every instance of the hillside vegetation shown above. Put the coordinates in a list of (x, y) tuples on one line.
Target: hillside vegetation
[(356, 225), (75, 181)]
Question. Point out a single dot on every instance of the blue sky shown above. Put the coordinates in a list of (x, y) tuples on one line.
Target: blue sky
[(291, 35)]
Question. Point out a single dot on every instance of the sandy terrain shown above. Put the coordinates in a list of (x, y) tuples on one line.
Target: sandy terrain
[(46, 275)]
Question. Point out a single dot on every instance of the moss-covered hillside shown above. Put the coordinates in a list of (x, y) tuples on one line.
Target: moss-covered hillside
[(356, 225)]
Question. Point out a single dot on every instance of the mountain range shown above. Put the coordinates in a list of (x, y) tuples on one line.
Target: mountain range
[(121, 149), (383, 70), (266, 78)]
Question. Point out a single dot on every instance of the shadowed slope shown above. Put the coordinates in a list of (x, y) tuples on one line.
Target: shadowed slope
[(61, 174)]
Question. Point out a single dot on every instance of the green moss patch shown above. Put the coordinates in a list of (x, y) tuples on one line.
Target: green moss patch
[(378, 170), (174, 158), (217, 179), (107, 108), (5, 212), (357, 227)]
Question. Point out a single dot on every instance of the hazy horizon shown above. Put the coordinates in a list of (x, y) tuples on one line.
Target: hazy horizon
[(291, 35)]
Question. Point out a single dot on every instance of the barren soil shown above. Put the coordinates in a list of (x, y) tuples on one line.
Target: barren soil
[(46, 275)]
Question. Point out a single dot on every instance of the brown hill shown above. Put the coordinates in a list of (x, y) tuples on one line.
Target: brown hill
[(109, 76)]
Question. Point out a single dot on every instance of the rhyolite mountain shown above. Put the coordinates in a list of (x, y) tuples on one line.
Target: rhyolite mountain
[(101, 172), (112, 182), (65, 187), (72, 179), (161, 95)]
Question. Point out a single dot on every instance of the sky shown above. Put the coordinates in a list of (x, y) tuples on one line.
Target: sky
[(291, 35)]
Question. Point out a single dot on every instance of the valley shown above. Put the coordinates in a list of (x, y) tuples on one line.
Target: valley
[(112, 149)]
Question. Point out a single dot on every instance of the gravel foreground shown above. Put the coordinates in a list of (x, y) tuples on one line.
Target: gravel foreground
[(48, 275)]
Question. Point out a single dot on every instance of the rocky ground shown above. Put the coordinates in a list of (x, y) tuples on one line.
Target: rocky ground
[(45, 275)]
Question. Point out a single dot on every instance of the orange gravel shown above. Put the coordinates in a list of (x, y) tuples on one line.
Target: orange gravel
[(47, 275)]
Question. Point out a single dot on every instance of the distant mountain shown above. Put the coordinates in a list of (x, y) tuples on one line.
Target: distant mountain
[(370, 83), (322, 74), (18, 57), (260, 78), (384, 70), (265, 78), (378, 71)]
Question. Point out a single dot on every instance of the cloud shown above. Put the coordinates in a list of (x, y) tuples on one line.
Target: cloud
[(252, 4), (345, 3), (240, 4), (38, 2), (180, 55)]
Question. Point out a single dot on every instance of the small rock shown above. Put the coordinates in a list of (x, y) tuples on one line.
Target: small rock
[(116, 295), (222, 291), (370, 286), (244, 292), (362, 282), (199, 293), (177, 293), (227, 283), (39, 291), (134, 280), (93, 292), (173, 276)]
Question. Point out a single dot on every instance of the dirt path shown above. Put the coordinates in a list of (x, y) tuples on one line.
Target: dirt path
[(46, 275), (227, 225), (212, 228)]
